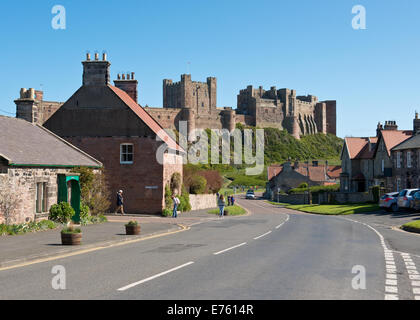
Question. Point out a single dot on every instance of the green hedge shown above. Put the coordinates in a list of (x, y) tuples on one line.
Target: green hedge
[(316, 189)]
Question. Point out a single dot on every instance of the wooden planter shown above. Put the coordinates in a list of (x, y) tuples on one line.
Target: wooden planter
[(132, 230), (71, 239)]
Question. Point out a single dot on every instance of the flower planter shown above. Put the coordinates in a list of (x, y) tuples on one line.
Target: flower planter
[(71, 239), (132, 230)]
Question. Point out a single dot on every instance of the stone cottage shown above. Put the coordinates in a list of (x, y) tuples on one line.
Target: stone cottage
[(35, 171), (106, 122), (288, 176)]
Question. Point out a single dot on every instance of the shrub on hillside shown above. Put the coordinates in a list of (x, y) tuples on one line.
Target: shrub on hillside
[(198, 184)]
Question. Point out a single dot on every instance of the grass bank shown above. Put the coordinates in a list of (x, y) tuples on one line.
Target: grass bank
[(413, 226), (232, 210), (332, 209)]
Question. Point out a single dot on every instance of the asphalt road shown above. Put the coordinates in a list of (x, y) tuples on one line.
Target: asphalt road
[(273, 253)]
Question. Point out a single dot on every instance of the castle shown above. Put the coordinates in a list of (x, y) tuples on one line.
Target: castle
[(196, 102)]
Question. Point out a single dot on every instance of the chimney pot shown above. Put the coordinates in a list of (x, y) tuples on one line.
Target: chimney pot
[(132, 75), (123, 76), (88, 56), (96, 56), (104, 56), (119, 77)]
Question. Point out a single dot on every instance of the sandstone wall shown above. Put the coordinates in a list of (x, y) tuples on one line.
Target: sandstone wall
[(203, 201)]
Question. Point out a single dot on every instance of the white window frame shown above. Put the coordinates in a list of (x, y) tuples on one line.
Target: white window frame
[(408, 159), (122, 145)]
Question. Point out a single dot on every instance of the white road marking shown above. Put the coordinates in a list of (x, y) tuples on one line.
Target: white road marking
[(390, 289), (239, 245), (391, 297), (412, 271), (155, 276), (263, 235), (279, 226)]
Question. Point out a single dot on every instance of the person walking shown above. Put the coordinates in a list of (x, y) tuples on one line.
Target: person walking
[(221, 203), (176, 201), (120, 202), (232, 200)]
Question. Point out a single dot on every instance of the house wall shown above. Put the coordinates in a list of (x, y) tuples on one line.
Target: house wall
[(142, 182), (409, 177), (21, 183)]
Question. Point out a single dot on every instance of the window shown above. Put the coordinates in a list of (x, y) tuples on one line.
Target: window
[(398, 184), (408, 159), (126, 153), (41, 197), (398, 159), (383, 165)]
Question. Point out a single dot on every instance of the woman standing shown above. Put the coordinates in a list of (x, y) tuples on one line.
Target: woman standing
[(221, 203)]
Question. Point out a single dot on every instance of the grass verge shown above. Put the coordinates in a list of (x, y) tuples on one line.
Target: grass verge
[(413, 226), (232, 210), (332, 209)]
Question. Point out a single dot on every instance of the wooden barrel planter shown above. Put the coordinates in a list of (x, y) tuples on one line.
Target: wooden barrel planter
[(71, 239), (132, 230)]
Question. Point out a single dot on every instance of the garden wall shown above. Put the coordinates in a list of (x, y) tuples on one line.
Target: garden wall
[(203, 201), (298, 198)]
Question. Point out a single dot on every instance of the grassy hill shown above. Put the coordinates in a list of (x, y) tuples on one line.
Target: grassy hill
[(279, 147)]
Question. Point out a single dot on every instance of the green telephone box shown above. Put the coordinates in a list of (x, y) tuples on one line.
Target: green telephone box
[(66, 182)]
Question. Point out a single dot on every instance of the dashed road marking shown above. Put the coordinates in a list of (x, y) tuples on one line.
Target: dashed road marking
[(413, 274), (263, 235), (154, 277), (231, 248)]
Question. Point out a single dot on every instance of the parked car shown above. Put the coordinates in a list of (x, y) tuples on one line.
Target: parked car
[(416, 201), (250, 194), (405, 198), (389, 201)]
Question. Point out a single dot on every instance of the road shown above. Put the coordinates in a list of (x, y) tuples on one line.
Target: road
[(272, 253)]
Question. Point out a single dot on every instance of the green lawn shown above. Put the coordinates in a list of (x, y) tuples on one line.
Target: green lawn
[(233, 210), (332, 209), (413, 226)]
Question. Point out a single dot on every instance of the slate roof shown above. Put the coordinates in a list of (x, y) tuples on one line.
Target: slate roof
[(27, 144), (147, 118), (316, 173), (411, 143)]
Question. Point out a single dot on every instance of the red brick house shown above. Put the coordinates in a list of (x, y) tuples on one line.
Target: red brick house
[(107, 123)]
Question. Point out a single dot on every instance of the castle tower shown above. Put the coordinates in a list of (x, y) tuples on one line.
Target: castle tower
[(96, 72), (188, 115), (128, 84), (229, 121)]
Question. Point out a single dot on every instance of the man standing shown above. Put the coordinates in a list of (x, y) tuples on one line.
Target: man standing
[(176, 204), (120, 202)]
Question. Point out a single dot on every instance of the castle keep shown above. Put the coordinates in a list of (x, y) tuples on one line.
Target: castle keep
[(196, 102)]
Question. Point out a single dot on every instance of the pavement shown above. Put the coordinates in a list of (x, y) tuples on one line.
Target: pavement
[(32, 247)]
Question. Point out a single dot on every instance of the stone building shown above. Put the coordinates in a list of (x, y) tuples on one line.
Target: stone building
[(106, 122), (388, 137), (35, 169), (289, 176), (299, 115), (406, 161), (357, 164)]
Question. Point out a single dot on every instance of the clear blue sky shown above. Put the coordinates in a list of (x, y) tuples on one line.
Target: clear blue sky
[(305, 45)]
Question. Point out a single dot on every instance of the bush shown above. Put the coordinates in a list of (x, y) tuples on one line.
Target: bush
[(176, 182), (376, 193), (214, 180), (303, 185), (185, 204), (168, 197), (167, 212), (61, 213), (71, 230), (198, 185), (316, 189), (26, 227), (94, 190), (132, 223), (84, 214)]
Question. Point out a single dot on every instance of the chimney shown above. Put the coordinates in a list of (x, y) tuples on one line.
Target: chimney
[(391, 125), (96, 72), (129, 85), (379, 128), (416, 124)]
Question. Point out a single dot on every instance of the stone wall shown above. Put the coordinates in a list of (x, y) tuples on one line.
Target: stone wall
[(21, 183), (352, 197), (291, 198), (203, 201)]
